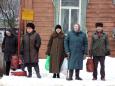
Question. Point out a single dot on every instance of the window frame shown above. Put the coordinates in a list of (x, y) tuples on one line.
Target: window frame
[(70, 8)]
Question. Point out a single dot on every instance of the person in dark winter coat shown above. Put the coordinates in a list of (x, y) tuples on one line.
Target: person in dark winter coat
[(56, 51), (30, 48), (9, 48), (99, 49), (76, 46)]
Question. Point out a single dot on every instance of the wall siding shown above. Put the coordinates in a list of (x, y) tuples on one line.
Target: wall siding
[(101, 11), (43, 19)]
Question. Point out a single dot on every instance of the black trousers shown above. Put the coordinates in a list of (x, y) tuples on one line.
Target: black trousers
[(96, 60), (36, 67), (7, 70)]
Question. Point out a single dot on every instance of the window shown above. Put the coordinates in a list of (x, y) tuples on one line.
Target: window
[(113, 1), (69, 13), (1, 36), (70, 2)]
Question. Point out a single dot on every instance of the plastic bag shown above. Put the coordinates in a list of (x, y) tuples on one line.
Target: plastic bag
[(64, 67), (47, 64)]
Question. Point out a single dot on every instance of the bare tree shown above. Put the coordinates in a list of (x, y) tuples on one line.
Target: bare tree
[(9, 9)]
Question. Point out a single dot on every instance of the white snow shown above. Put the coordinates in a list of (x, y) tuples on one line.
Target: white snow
[(47, 79)]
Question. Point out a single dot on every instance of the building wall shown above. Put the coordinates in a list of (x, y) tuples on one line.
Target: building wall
[(43, 19), (101, 11), (97, 11)]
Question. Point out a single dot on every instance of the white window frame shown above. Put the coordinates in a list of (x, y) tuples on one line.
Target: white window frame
[(70, 8)]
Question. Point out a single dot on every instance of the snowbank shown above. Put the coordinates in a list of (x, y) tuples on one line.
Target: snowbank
[(47, 79)]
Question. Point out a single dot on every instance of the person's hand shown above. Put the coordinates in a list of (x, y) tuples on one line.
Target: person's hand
[(108, 53), (84, 57), (89, 57), (47, 53), (68, 55)]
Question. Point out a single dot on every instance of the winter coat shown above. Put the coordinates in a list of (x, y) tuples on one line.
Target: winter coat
[(56, 51), (76, 44), (9, 47), (30, 47), (99, 46)]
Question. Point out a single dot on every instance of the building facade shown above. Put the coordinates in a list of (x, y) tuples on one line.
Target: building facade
[(48, 13)]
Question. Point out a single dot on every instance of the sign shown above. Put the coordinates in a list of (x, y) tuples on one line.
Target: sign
[(27, 14)]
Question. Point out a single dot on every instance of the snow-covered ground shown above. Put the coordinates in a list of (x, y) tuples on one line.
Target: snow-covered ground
[(47, 79)]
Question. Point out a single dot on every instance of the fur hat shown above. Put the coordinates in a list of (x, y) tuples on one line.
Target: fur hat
[(30, 25), (99, 24)]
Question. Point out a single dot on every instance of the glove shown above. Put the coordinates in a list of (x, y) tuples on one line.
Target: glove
[(107, 53)]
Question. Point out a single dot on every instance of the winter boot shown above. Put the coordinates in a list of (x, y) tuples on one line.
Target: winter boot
[(58, 75), (29, 71), (77, 75), (94, 78), (103, 79), (37, 71), (70, 75), (54, 75)]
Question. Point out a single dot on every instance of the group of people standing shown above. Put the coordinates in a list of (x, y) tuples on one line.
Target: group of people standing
[(73, 46)]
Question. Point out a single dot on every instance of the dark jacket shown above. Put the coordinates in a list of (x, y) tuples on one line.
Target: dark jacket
[(9, 47), (99, 46), (76, 44), (30, 47), (56, 51)]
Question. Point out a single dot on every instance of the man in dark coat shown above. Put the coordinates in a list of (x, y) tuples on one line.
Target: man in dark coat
[(56, 51), (75, 46), (99, 49), (9, 48), (30, 48)]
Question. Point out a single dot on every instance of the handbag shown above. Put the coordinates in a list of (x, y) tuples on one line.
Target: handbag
[(47, 63), (89, 65)]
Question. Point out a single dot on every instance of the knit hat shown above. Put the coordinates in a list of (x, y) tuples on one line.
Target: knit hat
[(99, 24), (30, 25), (58, 27)]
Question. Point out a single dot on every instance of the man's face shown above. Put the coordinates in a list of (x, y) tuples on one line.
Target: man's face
[(76, 28), (99, 29), (29, 29)]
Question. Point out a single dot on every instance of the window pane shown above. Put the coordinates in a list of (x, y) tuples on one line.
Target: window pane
[(74, 17), (113, 1), (1, 37), (65, 20), (70, 2)]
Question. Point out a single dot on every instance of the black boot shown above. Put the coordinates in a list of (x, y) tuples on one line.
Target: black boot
[(58, 75), (70, 75), (77, 75), (29, 71), (54, 75), (7, 68), (23, 67), (37, 71)]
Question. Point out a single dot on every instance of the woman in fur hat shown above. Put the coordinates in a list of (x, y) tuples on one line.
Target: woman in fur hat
[(30, 49)]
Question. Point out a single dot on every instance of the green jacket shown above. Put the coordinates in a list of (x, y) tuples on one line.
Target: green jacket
[(99, 46)]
